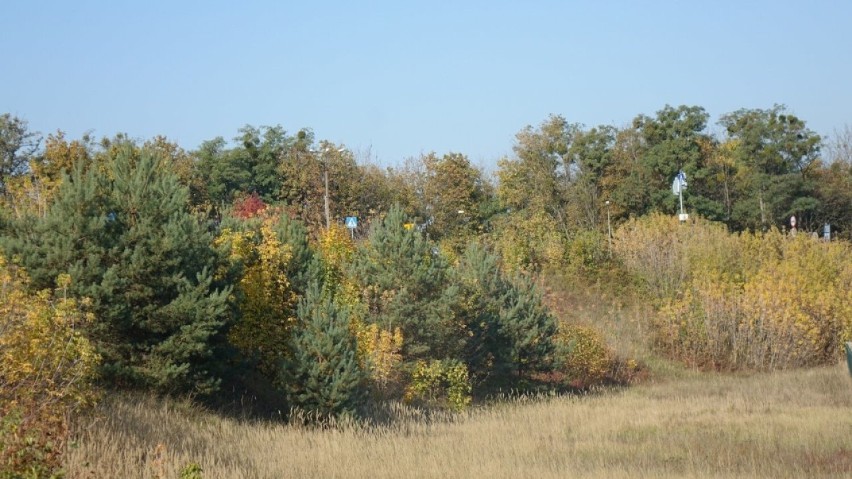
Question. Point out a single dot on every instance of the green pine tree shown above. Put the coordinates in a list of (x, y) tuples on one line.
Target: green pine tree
[(483, 289), (526, 321), (323, 376), (405, 281), (123, 232), (509, 329), (303, 266)]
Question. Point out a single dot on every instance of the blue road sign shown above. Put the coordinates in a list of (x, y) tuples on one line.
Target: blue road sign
[(351, 222)]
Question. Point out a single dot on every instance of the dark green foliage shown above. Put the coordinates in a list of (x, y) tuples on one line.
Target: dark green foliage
[(17, 146), (673, 142), (529, 325), (323, 376), (483, 291), (589, 158), (404, 280), (776, 154), (250, 167), (509, 329), (835, 194), (222, 175), (303, 266), (591, 151), (123, 234)]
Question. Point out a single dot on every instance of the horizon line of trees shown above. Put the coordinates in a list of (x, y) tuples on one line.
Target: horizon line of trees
[(767, 167)]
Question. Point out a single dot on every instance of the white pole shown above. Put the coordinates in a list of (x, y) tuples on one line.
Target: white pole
[(327, 216), (609, 228)]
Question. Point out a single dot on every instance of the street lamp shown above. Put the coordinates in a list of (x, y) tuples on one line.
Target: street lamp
[(325, 181), (608, 228)]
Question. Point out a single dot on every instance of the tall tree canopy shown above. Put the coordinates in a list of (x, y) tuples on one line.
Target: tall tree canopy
[(774, 153), (17, 146)]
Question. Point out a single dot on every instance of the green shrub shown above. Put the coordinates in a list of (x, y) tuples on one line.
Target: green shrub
[(323, 376), (192, 470), (440, 384)]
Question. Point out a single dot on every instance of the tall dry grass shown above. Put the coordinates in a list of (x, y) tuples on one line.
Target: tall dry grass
[(784, 424)]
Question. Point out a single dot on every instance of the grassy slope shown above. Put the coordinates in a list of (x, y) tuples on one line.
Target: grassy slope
[(681, 423), (789, 424)]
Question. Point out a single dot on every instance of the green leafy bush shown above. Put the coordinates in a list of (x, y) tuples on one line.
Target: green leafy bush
[(440, 384)]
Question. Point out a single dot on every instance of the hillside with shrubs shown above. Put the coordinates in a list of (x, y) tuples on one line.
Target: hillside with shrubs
[(231, 271)]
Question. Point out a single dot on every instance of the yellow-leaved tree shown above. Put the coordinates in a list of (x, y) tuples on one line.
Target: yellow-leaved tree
[(264, 295), (32, 194), (47, 369)]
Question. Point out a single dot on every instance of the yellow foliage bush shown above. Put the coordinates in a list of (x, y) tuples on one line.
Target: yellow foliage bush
[(336, 248), (267, 302), (585, 358), (664, 254), (440, 383), (787, 304), (380, 355), (528, 240), (47, 369)]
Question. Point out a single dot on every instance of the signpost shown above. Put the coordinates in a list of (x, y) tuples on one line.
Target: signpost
[(678, 185), (793, 225), (352, 223), (826, 230)]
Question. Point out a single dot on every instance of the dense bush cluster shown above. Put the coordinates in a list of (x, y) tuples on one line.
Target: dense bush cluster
[(181, 301), (47, 367), (751, 300)]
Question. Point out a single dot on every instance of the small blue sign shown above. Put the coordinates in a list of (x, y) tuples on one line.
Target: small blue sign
[(351, 222)]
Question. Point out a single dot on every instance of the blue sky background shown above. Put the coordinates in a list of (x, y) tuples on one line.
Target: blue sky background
[(395, 79)]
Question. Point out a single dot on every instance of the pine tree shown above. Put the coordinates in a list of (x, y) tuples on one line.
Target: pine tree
[(526, 321), (124, 235), (323, 376), (483, 289), (509, 329), (294, 234), (404, 283)]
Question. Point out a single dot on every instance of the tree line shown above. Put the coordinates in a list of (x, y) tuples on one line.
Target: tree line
[(192, 283)]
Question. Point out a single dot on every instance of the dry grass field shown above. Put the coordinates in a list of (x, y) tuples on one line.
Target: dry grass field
[(787, 424)]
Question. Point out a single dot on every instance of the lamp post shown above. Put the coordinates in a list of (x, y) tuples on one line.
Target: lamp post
[(608, 228), (325, 182)]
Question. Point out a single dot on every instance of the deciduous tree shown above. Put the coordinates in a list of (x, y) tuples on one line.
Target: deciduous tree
[(17, 146)]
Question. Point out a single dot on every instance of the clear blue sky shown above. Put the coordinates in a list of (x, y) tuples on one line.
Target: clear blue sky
[(404, 77)]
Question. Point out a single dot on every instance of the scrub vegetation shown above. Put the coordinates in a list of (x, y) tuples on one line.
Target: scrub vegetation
[(207, 313)]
